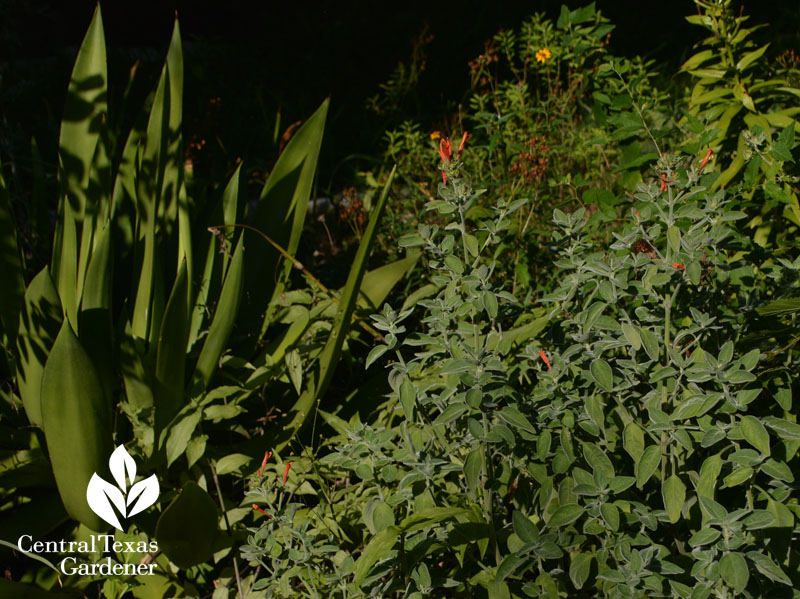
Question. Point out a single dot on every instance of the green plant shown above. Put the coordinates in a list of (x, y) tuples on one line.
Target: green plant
[(740, 101), (650, 373), (134, 330), (556, 119), (642, 446), (450, 412)]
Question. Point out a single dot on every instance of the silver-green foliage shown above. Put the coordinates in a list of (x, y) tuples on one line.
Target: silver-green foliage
[(643, 447)]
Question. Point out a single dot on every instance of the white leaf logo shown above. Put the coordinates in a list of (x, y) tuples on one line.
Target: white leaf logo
[(103, 497)]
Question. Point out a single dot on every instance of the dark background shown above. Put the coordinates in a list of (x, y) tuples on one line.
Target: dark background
[(244, 60)]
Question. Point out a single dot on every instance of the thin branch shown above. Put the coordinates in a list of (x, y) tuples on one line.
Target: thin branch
[(296, 264), (227, 526)]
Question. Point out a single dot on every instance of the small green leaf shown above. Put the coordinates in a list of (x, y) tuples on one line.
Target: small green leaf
[(382, 517), (673, 491), (598, 460), (714, 509), (377, 549), (497, 589), (180, 434), (524, 528), (788, 431), (650, 342), (565, 515), (759, 519), (751, 57), (580, 566), (454, 264), (674, 238), (473, 398), (779, 470), (738, 476), (375, 353), (509, 564), (430, 516), (451, 413), (490, 303), (646, 467), (472, 469), (294, 365), (516, 419), (633, 441), (408, 398), (632, 335), (543, 444), (472, 244), (232, 463), (768, 568), (603, 374), (733, 569), (705, 536), (610, 514), (693, 272), (756, 434), (709, 472)]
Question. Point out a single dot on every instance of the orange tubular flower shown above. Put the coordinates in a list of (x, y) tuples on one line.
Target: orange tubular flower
[(464, 139), (445, 149), (258, 509), (446, 152), (267, 455), (286, 471), (707, 158), (678, 266), (544, 357)]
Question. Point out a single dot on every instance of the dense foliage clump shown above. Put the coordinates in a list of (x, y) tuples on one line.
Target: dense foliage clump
[(579, 334)]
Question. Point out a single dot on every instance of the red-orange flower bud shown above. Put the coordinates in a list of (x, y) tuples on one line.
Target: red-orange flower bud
[(544, 357), (267, 455), (678, 266), (464, 139), (286, 471), (445, 149), (707, 158)]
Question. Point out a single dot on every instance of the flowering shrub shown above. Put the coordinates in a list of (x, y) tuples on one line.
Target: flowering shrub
[(556, 118), (642, 446)]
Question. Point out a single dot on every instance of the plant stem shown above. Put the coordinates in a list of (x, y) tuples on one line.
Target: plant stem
[(299, 266), (227, 526), (488, 506)]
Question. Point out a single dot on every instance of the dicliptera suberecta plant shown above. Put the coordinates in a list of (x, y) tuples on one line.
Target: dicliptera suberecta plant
[(640, 447)]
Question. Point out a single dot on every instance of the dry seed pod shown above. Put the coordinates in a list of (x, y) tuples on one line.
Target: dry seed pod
[(642, 246)]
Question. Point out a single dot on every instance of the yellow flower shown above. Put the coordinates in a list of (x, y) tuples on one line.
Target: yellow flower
[(435, 135), (542, 55)]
